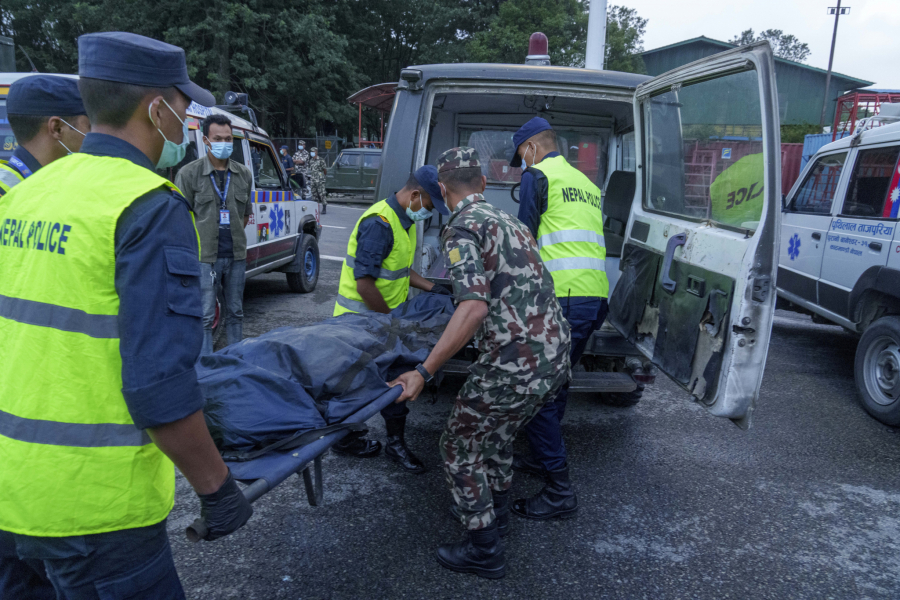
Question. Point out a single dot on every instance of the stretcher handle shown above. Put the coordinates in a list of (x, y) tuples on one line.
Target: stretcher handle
[(198, 530)]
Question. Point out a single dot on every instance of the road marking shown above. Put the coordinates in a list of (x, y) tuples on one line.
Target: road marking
[(326, 257), (333, 227), (351, 208)]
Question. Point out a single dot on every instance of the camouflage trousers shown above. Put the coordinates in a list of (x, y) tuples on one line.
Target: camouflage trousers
[(318, 191), (477, 445)]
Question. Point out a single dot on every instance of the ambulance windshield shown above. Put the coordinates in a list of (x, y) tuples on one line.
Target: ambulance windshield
[(6, 135)]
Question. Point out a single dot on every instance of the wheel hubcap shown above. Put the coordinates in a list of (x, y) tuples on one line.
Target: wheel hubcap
[(883, 371), (309, 263)]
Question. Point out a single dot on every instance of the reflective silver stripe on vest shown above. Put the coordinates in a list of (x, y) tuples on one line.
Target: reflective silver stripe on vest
[(566, 264), (351, 304), (382, 273), (8, 177), (571, 235), (41, 314), (82, 435)]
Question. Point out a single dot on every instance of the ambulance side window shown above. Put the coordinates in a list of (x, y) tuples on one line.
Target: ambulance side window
[(816, 194), (265, 166), (868, 194)]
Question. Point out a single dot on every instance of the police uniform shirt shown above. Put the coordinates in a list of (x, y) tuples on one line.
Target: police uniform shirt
[(26, 157), (375, 240), (160, 337)]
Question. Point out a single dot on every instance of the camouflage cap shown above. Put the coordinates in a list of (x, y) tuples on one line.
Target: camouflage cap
[(313, 148), (458, 158)]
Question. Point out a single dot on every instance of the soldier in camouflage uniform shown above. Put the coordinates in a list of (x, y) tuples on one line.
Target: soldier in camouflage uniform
[(317, 170), (505, 298), (301, 165)]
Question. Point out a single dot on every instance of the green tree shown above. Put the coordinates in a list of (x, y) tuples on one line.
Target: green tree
[(505, 39), (624, 40), (784, 45)]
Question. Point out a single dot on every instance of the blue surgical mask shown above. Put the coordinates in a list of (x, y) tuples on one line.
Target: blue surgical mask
[(221, 150), (419, 215), (172, 153)]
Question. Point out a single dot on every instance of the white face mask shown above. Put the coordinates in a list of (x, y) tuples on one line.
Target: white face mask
[(72, 128), (533, 148)]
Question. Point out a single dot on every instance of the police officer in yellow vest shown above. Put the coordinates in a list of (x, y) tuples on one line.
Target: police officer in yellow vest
[(737, 194), (377, 274), (47, 117), (562, 208), (100, 317)]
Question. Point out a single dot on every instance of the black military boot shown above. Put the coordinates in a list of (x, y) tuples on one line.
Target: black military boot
[(396, 449), (556, 499), (324, 209), (481, 553), (528, 464), (501, 511), (360, 447)]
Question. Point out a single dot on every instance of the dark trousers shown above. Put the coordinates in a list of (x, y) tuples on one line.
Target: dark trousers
[(132, 563), (543, 431), (395, 410)]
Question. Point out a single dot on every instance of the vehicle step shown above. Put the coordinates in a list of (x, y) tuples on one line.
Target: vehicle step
[(599, 381)]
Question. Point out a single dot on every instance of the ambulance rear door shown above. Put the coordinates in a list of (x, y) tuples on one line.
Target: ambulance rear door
[(696, 292)]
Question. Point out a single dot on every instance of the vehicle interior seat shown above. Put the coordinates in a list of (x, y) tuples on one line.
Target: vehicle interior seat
[(616, 208)]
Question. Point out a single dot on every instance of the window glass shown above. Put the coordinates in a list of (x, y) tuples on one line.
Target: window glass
[(704, 151), (867, 194), (265, 166), (585, 150), (627, 150), (7, 139), (371, 161), (237, 154), (816, 194), (349, 160)]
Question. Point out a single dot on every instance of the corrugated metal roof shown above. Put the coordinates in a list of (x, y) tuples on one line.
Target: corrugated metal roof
[(725, 45)]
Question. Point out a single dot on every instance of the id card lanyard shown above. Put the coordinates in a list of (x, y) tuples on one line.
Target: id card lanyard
[(224, 213)]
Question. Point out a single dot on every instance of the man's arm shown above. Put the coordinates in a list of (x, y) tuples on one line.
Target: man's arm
[(374, 241), (466, 320), (160, 335), (532, 200), (419, 282)]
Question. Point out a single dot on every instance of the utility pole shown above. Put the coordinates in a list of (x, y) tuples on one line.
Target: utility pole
[(837, 11), (595, 53)]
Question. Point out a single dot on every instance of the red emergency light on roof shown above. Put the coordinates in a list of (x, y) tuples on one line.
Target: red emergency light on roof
[(538, 52)]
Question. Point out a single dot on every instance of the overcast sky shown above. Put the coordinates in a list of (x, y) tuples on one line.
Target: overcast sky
[(868, 41)]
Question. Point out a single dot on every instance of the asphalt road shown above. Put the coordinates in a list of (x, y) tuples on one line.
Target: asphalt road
[(674, 503)]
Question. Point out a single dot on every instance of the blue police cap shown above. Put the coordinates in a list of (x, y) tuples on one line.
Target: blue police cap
[(427, 177), (529, 129), (45, 96), (137, 60)]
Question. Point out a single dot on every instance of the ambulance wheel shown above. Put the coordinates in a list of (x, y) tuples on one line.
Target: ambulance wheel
[(877, 370), (305, 281)]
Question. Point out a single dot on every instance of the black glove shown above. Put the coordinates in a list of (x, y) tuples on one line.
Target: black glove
[(225, 510), (439, 289)]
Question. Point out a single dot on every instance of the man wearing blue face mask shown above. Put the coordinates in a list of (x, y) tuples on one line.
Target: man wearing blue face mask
[(218, 190), (101, 329), (377, 275)]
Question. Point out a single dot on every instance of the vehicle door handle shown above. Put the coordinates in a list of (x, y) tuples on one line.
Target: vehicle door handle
[(665, 281), (817, 236), (876, 246)]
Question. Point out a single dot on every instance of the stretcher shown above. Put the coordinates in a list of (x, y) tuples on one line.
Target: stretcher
[(265, 473)]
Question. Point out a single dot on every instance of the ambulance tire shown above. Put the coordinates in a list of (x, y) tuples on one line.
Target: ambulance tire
[(877, 370), (306, 279)]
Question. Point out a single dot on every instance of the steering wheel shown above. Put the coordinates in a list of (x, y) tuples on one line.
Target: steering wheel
[(512, 192)]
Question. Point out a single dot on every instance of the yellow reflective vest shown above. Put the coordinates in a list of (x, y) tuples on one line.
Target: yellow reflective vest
[(738, 193), (8, 177), (393, 279), (570, 236), (73, 462)]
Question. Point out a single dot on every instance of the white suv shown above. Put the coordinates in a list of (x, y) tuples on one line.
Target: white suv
[(840, 253)]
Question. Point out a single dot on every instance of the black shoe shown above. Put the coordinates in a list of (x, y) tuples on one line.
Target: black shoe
[(480, 553), (324, 209), (556, 500), (528, 464), (358, 447), (396, 450), (501, 511)]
